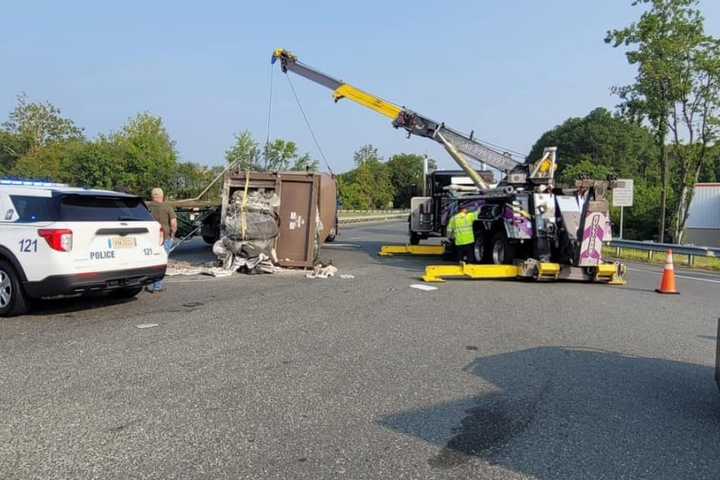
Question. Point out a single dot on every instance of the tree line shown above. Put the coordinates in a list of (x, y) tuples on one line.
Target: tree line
[(37, 142)]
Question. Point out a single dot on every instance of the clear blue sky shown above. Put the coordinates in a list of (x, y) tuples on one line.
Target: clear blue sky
[(509, 70)]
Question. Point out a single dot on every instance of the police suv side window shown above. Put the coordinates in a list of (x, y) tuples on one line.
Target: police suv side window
[(33, 209), (7, 209), (103, 208)]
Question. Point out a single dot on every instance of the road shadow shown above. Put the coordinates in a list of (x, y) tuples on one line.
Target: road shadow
[(414, 264), (568, 413), (707, 337), (61, 306)]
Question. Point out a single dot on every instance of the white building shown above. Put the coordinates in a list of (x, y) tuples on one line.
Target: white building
[(703, 224)]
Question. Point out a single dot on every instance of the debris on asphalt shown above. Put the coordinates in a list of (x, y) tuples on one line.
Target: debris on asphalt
[(176, 268), (425, 288), (322, 271), (146, 325), (347, 276), (219, 272)]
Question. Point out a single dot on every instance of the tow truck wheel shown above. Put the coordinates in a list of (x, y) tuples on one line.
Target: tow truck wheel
[(414, 238), (12, 297), (503, 253), (479, 249)]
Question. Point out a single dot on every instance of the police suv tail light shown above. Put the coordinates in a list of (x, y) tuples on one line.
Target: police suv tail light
[(162, 236), (60, 239)]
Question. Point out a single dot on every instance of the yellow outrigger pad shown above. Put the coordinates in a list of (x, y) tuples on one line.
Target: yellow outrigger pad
[(389, 250), (610, 273), (437, 273)]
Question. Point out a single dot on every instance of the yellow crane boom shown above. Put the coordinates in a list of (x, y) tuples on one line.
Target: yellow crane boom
[(455, 142)]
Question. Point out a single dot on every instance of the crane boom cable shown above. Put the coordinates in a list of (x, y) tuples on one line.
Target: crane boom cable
[(269, 117), (307, 122)]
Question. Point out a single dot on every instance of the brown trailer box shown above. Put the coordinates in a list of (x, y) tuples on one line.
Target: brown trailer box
[(302, 196), (328, 207)]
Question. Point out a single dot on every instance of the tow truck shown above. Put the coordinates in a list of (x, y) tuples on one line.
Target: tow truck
[(527, 226)]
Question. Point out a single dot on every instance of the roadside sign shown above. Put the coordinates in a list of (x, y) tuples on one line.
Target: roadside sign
[(623, 197), (622, 194)]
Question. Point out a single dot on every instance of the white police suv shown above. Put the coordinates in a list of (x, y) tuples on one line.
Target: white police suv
[(56, 240)]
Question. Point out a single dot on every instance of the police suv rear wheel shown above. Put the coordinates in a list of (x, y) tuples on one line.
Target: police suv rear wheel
[(12, 297)]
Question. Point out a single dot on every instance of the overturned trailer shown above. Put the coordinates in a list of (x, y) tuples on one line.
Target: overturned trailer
[(285, 216)]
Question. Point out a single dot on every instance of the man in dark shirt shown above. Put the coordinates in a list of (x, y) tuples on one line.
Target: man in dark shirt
[(164, 214)]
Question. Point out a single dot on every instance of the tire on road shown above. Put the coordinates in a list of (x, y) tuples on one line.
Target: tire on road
[(12, 296), (331, 236), (210, 240), (502, 251), (480, 249), (414, 238)]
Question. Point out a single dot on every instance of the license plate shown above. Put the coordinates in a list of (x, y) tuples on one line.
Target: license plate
[(123, 242)]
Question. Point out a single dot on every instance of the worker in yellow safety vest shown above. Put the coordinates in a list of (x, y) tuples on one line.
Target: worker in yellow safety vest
[(460, 229)]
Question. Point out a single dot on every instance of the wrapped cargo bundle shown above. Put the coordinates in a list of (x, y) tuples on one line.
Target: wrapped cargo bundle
[(251, 225)]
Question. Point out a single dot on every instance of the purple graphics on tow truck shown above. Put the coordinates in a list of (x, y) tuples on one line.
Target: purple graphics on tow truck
[(597, 232)]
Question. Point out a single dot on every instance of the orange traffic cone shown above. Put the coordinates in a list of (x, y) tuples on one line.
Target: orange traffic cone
[(667, 284)]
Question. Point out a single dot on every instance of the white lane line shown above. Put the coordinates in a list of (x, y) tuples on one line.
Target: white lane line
[(677, 275), (146, 325), (425, 288)]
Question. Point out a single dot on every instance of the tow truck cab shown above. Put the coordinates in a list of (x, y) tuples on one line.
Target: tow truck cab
[(429, 214)]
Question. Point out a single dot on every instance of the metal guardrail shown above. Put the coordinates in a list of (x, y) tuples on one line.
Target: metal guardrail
[(345, 216), (691, 251), (371, 212)]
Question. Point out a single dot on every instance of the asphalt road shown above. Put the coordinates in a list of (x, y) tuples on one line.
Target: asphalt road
[(280, 376)]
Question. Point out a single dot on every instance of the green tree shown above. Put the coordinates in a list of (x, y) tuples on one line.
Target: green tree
[(190, 179), (676, 90), (366, 153), (406, 176), (40, 123), (149, 153), (48, 162), (369, 185), (279, 155), (304, 163), (99, 164), (30, 127), (623, 147), (584, 168), (12, 147), (244, 151)]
